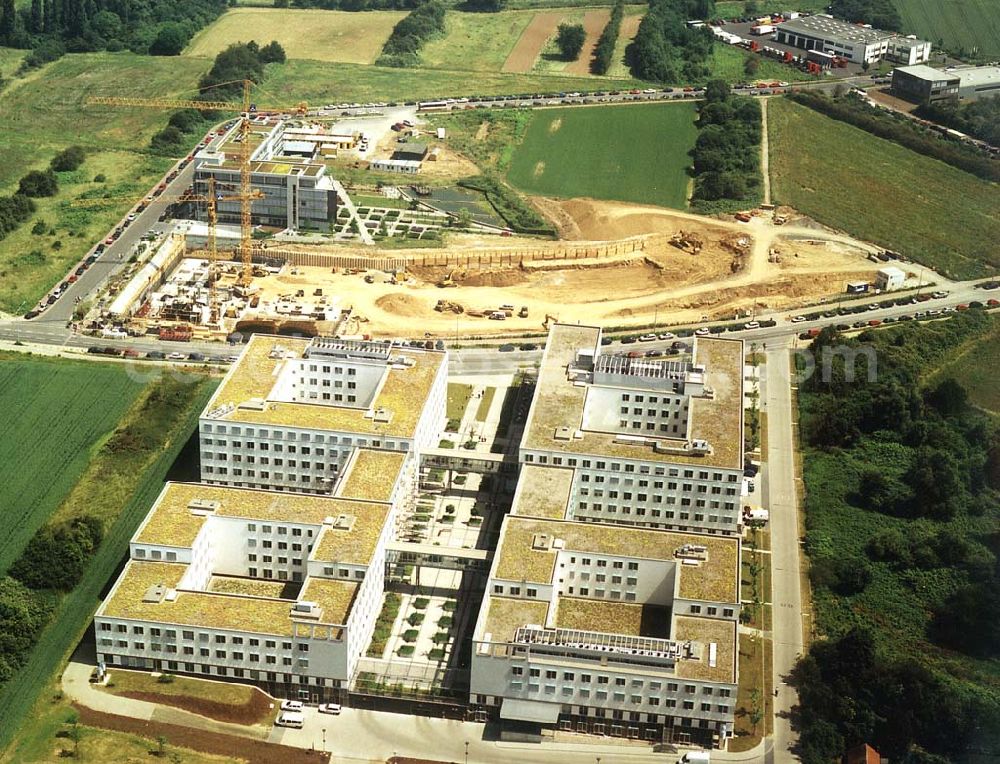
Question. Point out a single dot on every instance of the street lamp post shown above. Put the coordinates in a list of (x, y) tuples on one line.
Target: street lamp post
[(466, 752), (324, 740)]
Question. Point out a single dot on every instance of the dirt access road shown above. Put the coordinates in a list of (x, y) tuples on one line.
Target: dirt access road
[(742, 268)]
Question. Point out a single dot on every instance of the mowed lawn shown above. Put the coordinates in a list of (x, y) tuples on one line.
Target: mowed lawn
[(624, 153), (879, 191), (55, 414), (347, 37), (967, 24)]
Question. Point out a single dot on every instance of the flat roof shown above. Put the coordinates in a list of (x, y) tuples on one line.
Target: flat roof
[(924, 72), (505, 615), (611, 616), (171, 521), (708, 630), (822, 25), (371, 474), (543, 492), (217, 610), (403, 392), (559, 402), (715, 580), (977, 75)]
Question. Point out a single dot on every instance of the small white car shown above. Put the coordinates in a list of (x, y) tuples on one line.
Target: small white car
[(752, 325), (798, 319), (667, 336), (329, 708), (647, 338), (176, 356), (701, 332), (291, 705)]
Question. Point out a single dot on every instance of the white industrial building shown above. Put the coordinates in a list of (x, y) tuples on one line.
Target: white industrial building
[(280, 587), (854, 42), (890, 278), (655, 443), (291, 413), (281, 590), (605, 630)]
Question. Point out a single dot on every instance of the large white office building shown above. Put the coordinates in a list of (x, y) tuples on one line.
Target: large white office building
[(272, 569), (290, 415), (645, 442), (855, 42), (605, 630)]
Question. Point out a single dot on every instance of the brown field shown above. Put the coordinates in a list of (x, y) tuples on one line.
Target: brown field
[(594, 23), (658, 282), (529, 45)]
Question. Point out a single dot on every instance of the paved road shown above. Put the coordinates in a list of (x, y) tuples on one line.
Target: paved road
[(786, 595)]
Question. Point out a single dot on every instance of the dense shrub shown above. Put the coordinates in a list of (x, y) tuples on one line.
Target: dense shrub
[(517, 213), (879, 13), (39, 183), (980, 119), (570, 39), (423, 23), (604, 51), (57, 555), (727, 151), (68, 159), (14, 210), (665, 48)]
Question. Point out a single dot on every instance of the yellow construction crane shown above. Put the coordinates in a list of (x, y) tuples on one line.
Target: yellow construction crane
[(245, 109), (211, 200)]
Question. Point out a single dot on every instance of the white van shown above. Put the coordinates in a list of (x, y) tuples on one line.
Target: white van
[(294, 719), (697, 757)]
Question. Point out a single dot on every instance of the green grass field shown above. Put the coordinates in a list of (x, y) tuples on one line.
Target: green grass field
[(120, 490), (879, 191), (350, 37), (43, 113), (475, 41), (57, 413), (630, 154), (965, 25), (728, 61)]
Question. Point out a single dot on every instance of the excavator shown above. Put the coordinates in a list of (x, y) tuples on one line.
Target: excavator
[(687, 241), (448, 281), (549, 320)]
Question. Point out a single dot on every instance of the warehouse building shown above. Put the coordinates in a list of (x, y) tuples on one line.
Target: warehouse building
[(280, 590), (644, 442), (853, 42), (611, 631), (924, 84), (291, 413)]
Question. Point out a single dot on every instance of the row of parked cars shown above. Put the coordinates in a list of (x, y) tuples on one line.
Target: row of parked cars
[(160, 355), (293, 713)]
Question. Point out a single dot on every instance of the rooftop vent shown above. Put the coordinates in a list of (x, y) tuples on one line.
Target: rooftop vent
[(341, 522), (558, 544), (155, 593), (203, 506), (692, 552), (305, 609), (382, 415), (254, 404), (564, 433), (541, 542)]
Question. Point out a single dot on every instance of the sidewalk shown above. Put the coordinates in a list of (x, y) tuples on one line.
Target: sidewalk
[(358, 735)]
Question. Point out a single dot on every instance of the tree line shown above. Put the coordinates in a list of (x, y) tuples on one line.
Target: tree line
[(604, 51), (901, 130), (902, 476), (666, 49), (51, 28), (881, 14), (727, 151), (423, 23), (980, 119)]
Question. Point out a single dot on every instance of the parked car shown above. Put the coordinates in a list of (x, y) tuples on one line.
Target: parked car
[(294, 719), (329, 708), (702, 332), (291, 705)]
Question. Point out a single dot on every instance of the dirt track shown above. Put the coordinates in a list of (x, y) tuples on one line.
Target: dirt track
[(741, 267), (541, 27), (593, 23)]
